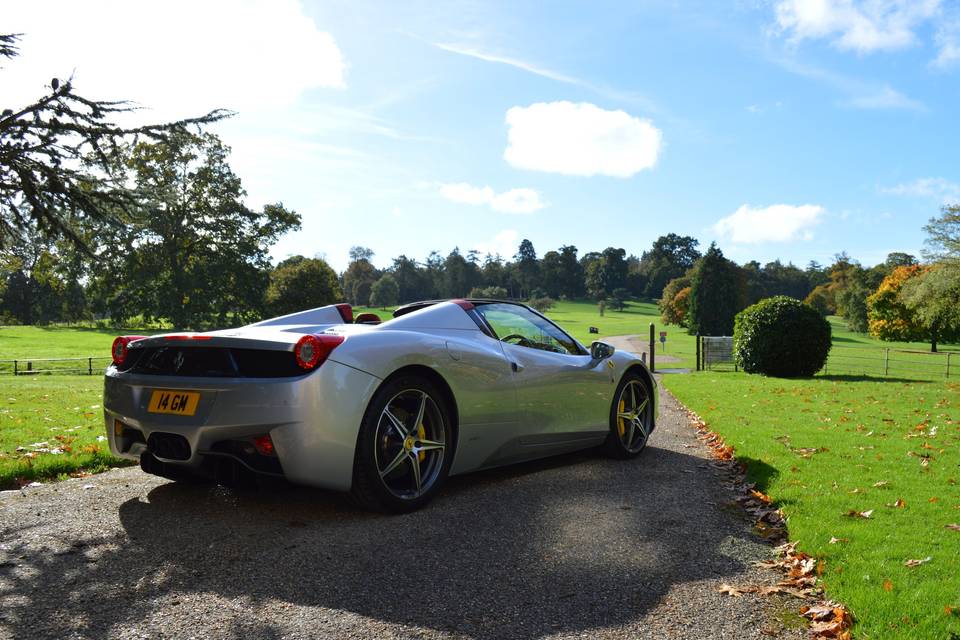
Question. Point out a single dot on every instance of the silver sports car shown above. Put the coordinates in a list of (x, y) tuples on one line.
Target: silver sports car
[(384, 410)]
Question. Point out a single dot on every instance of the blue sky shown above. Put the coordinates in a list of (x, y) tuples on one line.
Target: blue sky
[(784, 129)]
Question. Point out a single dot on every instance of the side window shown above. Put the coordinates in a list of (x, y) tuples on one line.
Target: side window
[(516, 325)]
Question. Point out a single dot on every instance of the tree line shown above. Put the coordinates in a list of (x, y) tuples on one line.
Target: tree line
[(897, 300)]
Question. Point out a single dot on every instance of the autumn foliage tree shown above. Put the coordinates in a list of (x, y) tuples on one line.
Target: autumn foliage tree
[(888, 316), (675, 301)]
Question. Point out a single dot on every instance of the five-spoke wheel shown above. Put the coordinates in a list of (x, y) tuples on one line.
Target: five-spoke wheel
[(411, 441), (403, 449), (631, 418)]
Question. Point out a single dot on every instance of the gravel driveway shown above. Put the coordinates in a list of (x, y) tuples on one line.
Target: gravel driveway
[(577, 546)]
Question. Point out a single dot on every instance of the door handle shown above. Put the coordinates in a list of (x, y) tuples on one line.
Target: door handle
[(516, 368)]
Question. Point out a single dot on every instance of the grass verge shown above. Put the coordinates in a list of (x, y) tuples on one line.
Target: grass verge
[(829, 447), (51, 426)]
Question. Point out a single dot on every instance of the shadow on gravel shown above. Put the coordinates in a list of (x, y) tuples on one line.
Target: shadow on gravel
[(566, 545)]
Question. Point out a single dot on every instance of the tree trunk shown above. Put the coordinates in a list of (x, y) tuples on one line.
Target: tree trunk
[(933, 339)]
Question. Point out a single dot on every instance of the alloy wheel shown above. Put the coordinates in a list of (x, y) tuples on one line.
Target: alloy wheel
[(410, 444)]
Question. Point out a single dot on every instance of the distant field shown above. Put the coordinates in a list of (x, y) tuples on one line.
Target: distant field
[(59, 342), (853, 353), (826, 446)]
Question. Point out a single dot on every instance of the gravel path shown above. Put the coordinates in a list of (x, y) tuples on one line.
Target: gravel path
[(578, 546)]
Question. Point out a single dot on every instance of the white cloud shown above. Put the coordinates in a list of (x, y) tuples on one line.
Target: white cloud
[(513, 201), (466, 193), (537, 70), (580, 139), (238, 55), (867, 26), (885, 97), (512, 62), (948, 40), (861, 94), (940, 189), (517, 201), (776, 223), (504, 244)]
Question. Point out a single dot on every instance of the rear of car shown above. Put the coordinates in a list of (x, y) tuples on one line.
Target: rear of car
[(263, 401)]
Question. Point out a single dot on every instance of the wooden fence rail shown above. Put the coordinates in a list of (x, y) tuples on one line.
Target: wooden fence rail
[(89, 365)]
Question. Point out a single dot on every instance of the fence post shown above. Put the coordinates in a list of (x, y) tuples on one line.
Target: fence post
[(29, 366), (948, 364), (89, 366), (886, 361), (15, 367), (653, 366), (698, 352)]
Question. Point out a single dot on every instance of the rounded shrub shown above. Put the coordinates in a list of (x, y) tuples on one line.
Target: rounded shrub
[(781, 336)]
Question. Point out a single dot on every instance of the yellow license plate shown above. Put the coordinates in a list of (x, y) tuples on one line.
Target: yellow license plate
[(181, 403)]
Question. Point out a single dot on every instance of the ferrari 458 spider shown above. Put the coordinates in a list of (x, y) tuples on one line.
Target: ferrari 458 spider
[(384, 410)]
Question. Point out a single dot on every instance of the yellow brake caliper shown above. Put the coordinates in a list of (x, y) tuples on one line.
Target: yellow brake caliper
[(621, 426), (422, 434)]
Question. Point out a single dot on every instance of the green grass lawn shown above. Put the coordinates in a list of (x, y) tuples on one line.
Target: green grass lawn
[(56, 422), (828, 445)]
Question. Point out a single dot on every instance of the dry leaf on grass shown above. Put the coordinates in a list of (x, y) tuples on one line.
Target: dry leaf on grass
[(899, 504), (887, 585), (838, 540), (853, 513), (917, 563), (882, 483), (952, 526)]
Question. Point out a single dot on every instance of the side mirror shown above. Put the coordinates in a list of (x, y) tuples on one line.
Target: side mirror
[(601, 350)]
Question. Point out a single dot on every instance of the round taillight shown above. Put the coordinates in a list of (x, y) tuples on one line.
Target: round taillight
[(307, 352), (312, 350), (119, 348)]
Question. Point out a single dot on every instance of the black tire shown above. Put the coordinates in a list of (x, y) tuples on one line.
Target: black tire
[(384, 478), (634, 392)]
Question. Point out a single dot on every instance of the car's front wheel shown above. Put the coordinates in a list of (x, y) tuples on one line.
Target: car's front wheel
[(404, 447), (631, 418)]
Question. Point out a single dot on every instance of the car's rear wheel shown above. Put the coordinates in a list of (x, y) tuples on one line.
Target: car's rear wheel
[(631, 418), (404, 447)]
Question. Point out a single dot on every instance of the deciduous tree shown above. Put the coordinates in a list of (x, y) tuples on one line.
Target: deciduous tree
[(193, 253), (384, 292), (889, 317), (300, 283)]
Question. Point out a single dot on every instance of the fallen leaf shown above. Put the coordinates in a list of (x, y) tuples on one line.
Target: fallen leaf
[(899, 504), (882, 483), (736, 592), (887, 585), (917, 563), (837, 540), (817, 612), (934, 499), (952, 526), (853, 513)]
